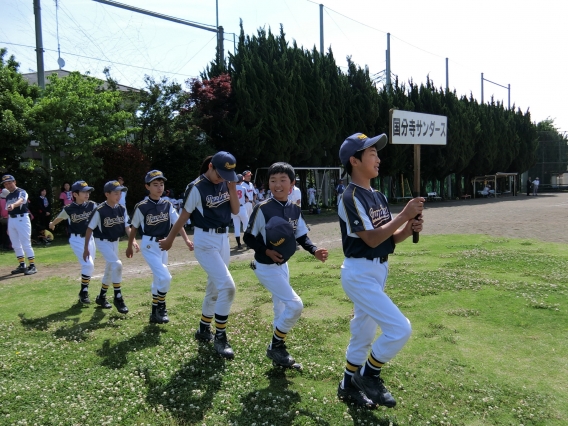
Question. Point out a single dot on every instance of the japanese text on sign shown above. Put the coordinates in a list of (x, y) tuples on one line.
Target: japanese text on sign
[(417, 128)]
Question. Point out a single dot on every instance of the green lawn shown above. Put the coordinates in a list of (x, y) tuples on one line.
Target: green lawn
[(489, 345)]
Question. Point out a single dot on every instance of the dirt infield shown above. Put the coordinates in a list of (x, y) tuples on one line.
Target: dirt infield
[(542, 218)]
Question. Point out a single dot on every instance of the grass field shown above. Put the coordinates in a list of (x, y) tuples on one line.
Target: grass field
[(489, 345)]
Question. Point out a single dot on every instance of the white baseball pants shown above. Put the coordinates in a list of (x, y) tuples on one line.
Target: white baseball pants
[(113, 267), (364, 283), (287, 304), (242, 217), (157, 260), (20, 231), (249, 208), (77, 244), (312, 199), (213, 254)]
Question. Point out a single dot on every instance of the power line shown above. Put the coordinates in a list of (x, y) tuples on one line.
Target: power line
[(98, 59)]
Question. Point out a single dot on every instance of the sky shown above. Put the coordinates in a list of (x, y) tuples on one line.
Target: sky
[(516, 43)]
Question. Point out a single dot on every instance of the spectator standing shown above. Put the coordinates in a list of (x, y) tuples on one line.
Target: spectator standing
[(529, 184), (535, 184), (4, 238), (43, 209), (66, 197)]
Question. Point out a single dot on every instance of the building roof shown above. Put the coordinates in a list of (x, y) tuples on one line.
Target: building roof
[(31, 78)]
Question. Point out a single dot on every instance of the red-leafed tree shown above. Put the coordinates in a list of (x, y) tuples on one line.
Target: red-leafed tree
[(128, 162), (210, 103)]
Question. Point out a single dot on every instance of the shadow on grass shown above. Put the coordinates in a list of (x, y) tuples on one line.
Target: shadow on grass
[(116, 356), (189, 393), (76, 331), (276, 396)]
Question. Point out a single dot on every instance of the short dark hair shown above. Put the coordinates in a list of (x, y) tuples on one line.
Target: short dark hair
[(348, 167), (282, 167)]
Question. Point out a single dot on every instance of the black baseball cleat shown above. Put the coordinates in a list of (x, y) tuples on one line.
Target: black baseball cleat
[(240, 246), (102, 302), (21, 269), (223, 347), (119, 304), (280, 356), (204, 336), (159, 315), (84, 297), (352, 395), (374, 388), (31, 270)]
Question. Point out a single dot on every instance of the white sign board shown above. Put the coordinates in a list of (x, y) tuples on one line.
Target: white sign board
[(416, 128)]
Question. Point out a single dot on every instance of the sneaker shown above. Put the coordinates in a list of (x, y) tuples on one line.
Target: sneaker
[(102, 302), (118, 303), (223, 347), (204, 336), (279, 354), (354, 396), (21, 269), (373, 387), (84, 297), (31, 270), (159, 315)]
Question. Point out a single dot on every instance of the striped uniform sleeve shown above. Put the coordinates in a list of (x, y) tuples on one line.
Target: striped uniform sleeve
[(63, 215), (95, 220), (174, 216), (354, 214), (192, 200), (137, 218)]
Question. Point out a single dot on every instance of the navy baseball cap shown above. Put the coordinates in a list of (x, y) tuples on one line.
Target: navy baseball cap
[(153, 175), (80, 186), (113, 185), (8, 178), (359, 142), (280, 237), (247, 172), (225, 164), (239, 178)]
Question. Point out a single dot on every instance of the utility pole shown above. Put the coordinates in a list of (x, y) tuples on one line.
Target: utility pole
[(321, 29), (388, 59), (39, 45)]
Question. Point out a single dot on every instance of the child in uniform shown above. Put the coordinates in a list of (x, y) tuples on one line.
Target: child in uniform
[(369, 234), (77, 214), (108, 223), (273, 230), (209, 200), (19, 225), (154, 217), (242, 217)]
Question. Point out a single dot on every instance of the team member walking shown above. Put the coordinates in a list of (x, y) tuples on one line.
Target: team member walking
[(154, 217), (78, 215), (369, 234), (242, 217), (19, 226), (108, 223), (273, 230), (209, 200), (249, 186)]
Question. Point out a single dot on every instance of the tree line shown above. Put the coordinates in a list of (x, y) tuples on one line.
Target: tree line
[(271, 101)]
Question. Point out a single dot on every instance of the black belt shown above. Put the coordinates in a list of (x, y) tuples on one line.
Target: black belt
[(78, 235), (18, 215), (112, 240), (152, 238), (382, 259), (220, 230)]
